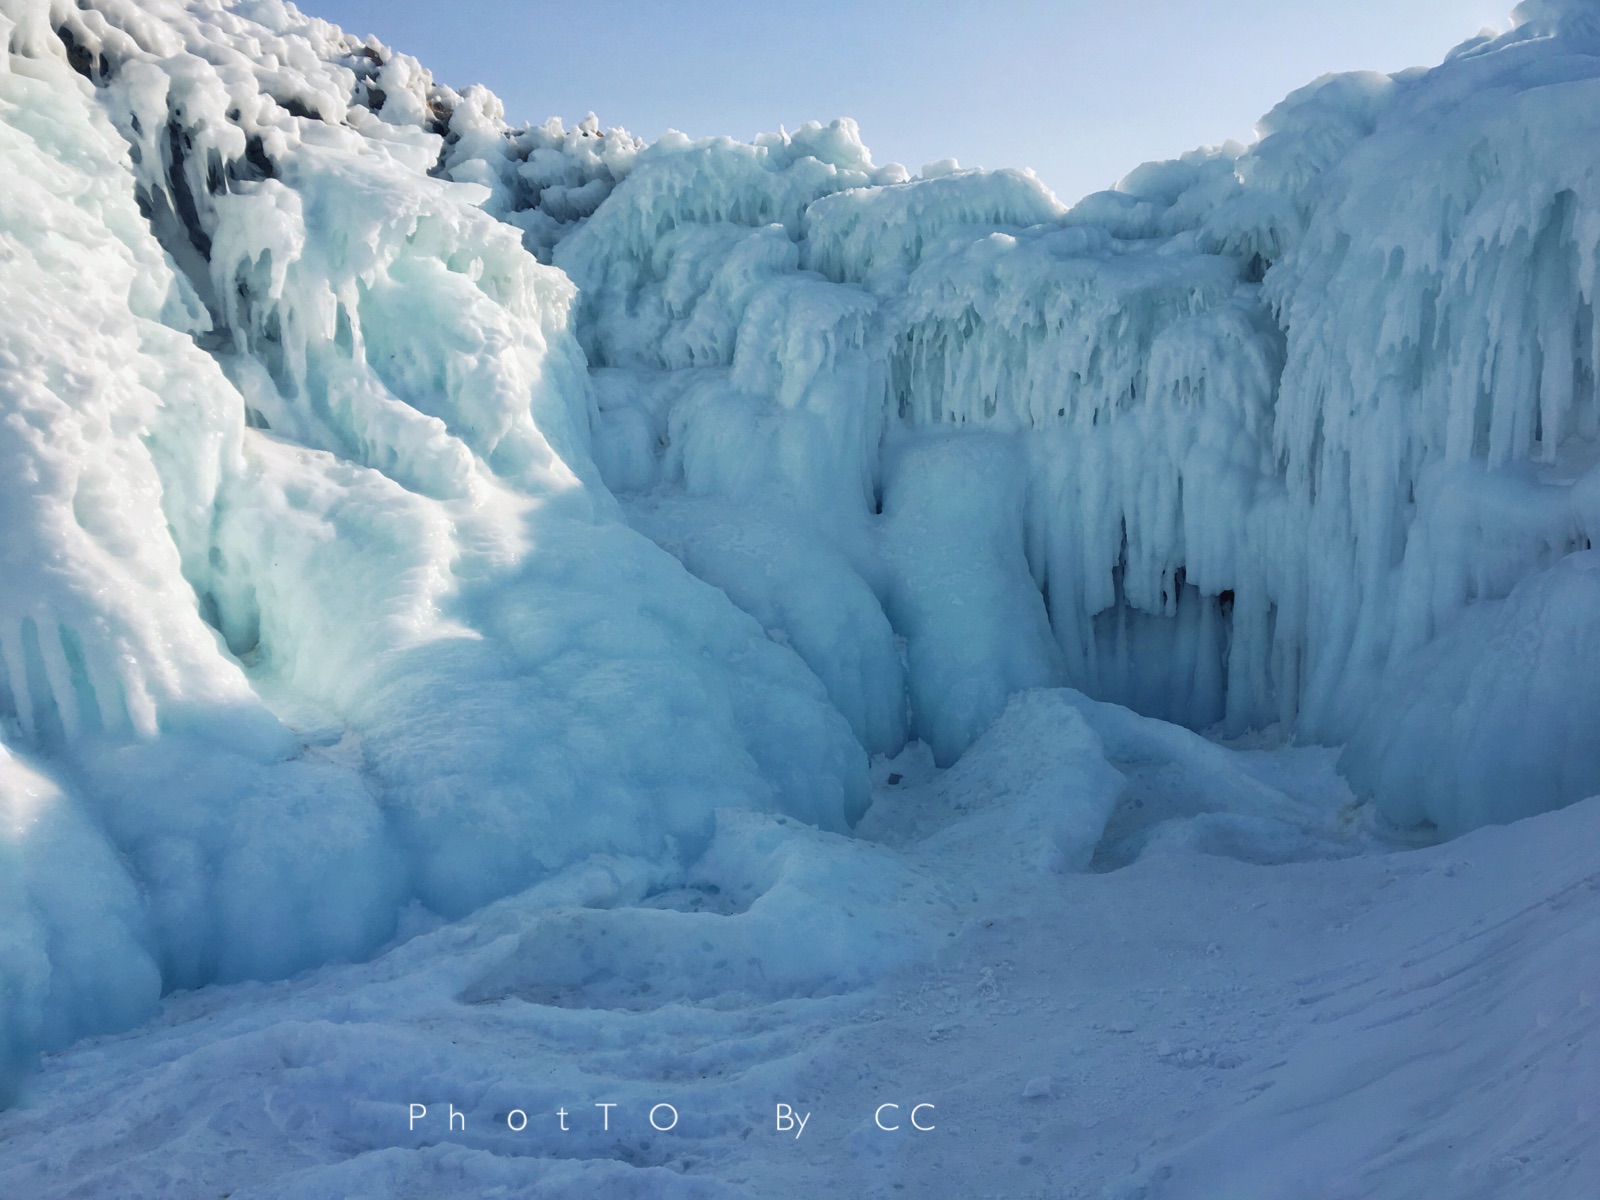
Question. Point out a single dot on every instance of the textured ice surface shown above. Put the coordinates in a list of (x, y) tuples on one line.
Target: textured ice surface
[(1208, 1023), (404, 513), (1282, 412), (315, 601), (1524, 667)]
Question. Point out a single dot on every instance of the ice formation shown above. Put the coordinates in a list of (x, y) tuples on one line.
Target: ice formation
[(316, 602), (401, 507), (1524, 667), (1279, 413)]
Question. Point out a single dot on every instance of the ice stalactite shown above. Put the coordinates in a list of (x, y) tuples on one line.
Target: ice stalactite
[(1285, 411)]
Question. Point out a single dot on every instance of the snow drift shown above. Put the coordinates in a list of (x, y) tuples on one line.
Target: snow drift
[(401, 506)]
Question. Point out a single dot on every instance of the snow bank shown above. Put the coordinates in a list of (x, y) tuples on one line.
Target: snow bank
[(1301, 1014), (778, 911), (1032, 796)]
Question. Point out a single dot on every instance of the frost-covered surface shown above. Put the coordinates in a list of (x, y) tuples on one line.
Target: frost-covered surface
[(1524, 667), (1279, 413), (315, 603), (1254, 1007), (406, 514)]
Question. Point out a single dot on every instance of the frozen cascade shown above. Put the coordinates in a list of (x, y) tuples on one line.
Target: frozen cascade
[(1283, 411), (374, 630), (402, 506)]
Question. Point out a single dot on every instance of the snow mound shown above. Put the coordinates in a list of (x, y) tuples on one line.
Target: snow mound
[(1032, 795), (1296, 1016)]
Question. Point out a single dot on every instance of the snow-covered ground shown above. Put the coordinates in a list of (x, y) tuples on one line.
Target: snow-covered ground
[(1253, 1007), (509, 632)]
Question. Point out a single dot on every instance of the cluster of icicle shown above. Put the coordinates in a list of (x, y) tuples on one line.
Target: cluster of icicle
[(1276, 414)]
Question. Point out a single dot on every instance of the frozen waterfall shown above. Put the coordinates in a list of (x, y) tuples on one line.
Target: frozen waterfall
[(401, 506)]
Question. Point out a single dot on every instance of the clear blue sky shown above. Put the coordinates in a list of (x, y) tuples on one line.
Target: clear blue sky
[(1080, 91)]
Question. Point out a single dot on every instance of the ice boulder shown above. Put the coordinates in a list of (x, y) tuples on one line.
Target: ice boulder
[(973, 617), (74, 944), (1496, 718)]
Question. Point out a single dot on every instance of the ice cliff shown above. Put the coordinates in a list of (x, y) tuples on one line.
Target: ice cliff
[(403, 506)]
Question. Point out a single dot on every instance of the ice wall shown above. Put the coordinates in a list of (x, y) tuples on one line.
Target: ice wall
[(1282, 412), (315, 603), (1495, 719)]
